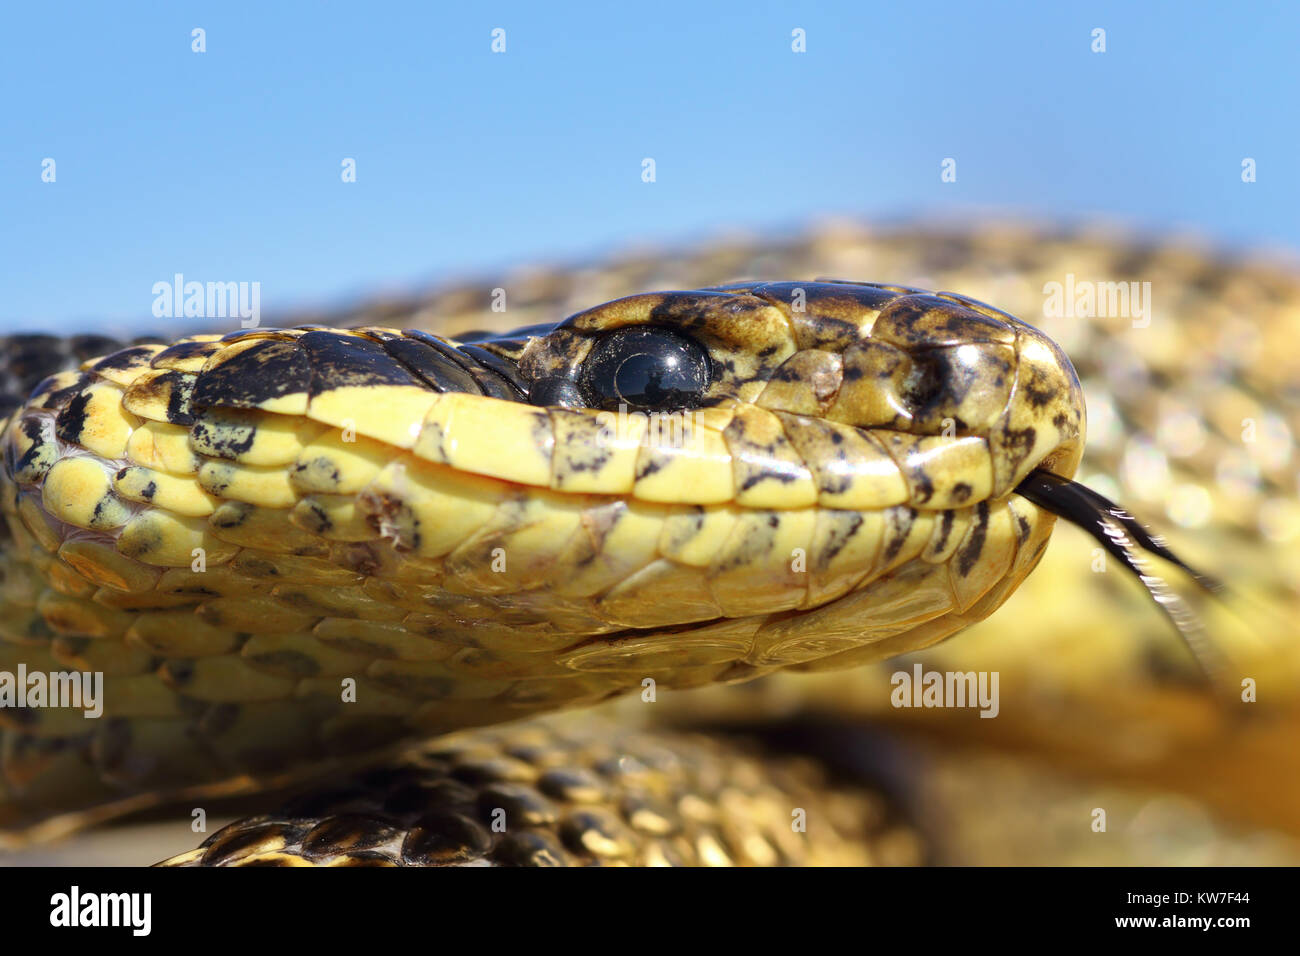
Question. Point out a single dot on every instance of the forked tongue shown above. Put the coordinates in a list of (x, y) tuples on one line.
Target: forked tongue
[(1125, 538)]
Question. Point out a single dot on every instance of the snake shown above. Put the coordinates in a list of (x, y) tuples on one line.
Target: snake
[(401, 564)]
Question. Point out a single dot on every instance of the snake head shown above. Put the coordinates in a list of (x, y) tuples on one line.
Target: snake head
[(854, 401), (820, 472), (700, 485), (689, 487)]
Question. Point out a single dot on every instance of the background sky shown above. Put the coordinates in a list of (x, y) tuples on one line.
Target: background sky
[(225, 165)]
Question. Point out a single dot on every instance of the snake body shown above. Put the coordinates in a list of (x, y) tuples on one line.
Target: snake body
[(289, 549)]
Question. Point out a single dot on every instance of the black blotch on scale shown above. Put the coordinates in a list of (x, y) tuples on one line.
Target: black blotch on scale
[(267, 370), (350, 361), (970, 554)]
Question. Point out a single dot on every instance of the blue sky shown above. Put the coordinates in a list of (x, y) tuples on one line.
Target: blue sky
[(225, 165)]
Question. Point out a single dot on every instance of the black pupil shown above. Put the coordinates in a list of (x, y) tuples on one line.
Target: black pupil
[(646, 368)]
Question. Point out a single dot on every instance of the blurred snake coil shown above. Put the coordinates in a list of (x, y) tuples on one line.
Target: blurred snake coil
[(464, 595)]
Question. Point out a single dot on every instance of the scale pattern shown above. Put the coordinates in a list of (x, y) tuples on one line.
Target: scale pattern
[(596, 795), (286, 546), (1168, 402)]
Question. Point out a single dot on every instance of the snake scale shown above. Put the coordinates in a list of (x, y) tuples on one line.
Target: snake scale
[(319, 557)]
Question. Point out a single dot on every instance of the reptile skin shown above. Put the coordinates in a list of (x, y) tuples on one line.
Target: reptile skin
[(369, 506)]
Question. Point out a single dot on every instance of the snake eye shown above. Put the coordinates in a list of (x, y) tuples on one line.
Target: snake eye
[(644, 368)]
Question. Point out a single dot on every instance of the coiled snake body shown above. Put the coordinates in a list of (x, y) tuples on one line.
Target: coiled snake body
[(291, 551)]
